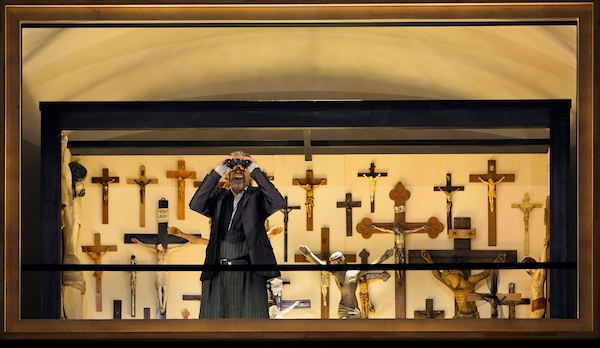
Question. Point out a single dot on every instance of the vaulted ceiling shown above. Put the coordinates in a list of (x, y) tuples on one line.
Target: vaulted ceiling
[(295, 62)]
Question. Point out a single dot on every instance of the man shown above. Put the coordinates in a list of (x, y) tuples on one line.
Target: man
[(237, 237)]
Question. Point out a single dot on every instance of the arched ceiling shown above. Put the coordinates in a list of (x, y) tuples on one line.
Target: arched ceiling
[(367, 62)]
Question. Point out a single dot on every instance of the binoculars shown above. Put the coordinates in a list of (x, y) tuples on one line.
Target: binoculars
[(232, 162)]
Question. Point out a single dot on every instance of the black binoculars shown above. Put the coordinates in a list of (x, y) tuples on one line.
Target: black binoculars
[(232, 162)]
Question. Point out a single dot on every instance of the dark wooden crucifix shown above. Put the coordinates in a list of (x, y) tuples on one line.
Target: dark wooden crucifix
[(348, 204), (429, 312), (491, 179), (104, 180), (286, 212), (162, 237), (448, 191), (142, 181), (462, 255), (325, 252), (309, 184), (181, 174), (399, 228), (372, 176), (96, 252)]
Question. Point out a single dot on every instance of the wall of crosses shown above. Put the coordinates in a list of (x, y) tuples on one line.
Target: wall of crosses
[(332, 210)]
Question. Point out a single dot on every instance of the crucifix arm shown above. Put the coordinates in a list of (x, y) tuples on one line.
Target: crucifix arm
[(386, 255), (436, 273), (480, 276), (310, 256), (137, 241), (189, 237)]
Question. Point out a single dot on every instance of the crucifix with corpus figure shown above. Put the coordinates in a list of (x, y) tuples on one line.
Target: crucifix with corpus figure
[(160, 243), (400, 228), (286, 212), (181, 174), (491, 179), (310, 183), (372, 176), (448, 191), (462, 256), (364, 280), (348, 204), (104, 180), (526, 207), (96, 252), (429, 312), (142, 181), (324, 275)]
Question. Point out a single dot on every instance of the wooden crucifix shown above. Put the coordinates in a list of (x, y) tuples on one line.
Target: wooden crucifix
[(462, 255), (286, 212), (372, 176), (526, 207), (348, 204), (181, 174), (160, 243), (429, 312), (491, 179), (104, 180), (96, 252), (324, 275), (142, 181), (399, 228), (512, 305), (448, 191), (364, 280), (309, 184)]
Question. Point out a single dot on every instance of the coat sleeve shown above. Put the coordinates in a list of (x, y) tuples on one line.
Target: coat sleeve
[(273, 199), (205, 197)]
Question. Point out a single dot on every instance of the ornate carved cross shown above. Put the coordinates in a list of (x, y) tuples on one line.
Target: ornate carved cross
[(181, 175), (448, 190), (491, 179), (367, 228), (372, 176), (96, 252), (348, 204), (104, 180), (142, 181), (526, 207), (309, 184)]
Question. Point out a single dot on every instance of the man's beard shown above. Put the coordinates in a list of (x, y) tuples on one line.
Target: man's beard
[(237, 184)]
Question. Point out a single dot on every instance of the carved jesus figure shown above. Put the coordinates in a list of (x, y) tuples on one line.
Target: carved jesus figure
[(346, 280)]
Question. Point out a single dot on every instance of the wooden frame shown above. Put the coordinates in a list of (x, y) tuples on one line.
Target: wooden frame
[(586, 325)]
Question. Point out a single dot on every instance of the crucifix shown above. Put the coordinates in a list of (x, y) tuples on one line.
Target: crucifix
[(278, 306), (309, 183), (372, 177), (491, 179), (462, 254), (181, 175), (348, 204), (494, 298), (448, 191), (400, 228), (364, 280), (324, 275), (526, 207), (104, 180), (286, 212), (142, 182), (96, 252), (429, 312), (160, 243)]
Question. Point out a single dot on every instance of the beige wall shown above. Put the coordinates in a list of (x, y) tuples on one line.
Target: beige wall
[(418, 173)]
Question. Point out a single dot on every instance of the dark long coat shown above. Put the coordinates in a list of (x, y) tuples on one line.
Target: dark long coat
[(258, 203)]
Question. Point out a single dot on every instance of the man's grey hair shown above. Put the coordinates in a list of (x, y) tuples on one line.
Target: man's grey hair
[(239, 153)]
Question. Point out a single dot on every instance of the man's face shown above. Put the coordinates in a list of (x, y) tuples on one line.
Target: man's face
[(239, 177)]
